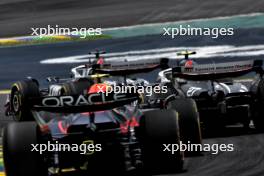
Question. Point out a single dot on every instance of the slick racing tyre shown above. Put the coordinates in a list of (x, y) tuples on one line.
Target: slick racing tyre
[(189, 121), (77, 87), (157, 128), (170, 90), (21, 91), (160, 98), (258, 108), (19, 160)]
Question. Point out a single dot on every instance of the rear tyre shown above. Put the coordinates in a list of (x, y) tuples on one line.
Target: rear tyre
[(189, 121), (258, 108), (21, 91), (160, 127), (19, 160), (76, 87)]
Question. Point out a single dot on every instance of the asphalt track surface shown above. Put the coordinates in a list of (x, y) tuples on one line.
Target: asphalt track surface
[(18, 62), (18, 16), (247, 159)]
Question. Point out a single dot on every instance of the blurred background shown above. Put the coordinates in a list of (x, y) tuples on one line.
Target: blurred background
[(18, 16)]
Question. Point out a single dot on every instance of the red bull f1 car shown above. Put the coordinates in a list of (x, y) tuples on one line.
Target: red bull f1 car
[(72, 127), (91, 134)]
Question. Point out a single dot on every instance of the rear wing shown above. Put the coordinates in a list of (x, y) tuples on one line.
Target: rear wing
[(123, 68), (82, 103), (218, 70), (119, 68)]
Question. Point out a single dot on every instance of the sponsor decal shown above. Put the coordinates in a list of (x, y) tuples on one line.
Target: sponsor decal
[(82, 100)]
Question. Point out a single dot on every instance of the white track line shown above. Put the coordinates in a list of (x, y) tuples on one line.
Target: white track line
[(170, 52)]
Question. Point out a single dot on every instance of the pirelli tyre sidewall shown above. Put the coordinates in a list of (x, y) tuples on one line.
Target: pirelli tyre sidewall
[(189, 121), (21, 91), (159, 127), (258, 107), (19, 160)]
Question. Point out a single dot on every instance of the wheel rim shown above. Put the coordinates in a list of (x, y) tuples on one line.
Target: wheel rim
[(16, 103)]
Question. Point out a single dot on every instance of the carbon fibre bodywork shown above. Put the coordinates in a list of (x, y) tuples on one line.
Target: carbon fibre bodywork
[(112, 129), (223, 92)]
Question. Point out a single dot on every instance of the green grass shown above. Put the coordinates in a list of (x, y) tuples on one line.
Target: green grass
[(47, 40)]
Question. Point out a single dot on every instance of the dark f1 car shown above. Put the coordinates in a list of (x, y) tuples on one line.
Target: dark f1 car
[(125, 137), (82, 77), (17, 100), (110, 133), (218, 92)]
